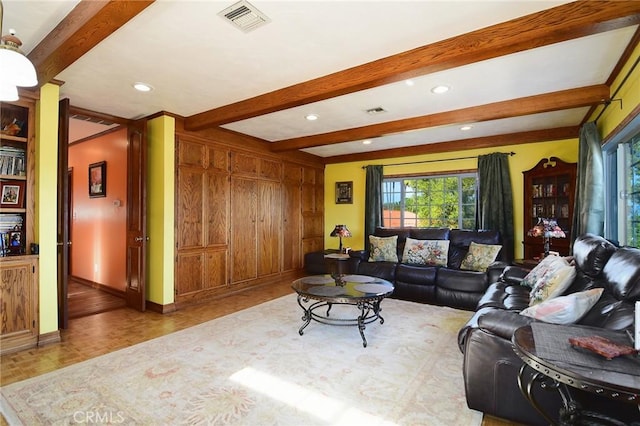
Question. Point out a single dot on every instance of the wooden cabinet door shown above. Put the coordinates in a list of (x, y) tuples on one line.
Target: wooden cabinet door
[(269, 225), (243, 229), (18, 303), (291, 225), (189, 211)]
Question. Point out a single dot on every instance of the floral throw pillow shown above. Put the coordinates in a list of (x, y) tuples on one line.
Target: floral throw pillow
[(564, 309), (426, 252), (556, 279), (383, 249), (480, 256), (538, 272)]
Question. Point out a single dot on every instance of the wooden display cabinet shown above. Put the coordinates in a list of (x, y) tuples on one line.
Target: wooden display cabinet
[(18, 270), (549, 192)]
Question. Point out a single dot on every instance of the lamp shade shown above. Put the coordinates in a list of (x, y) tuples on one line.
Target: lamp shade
[(15, 68), (340, 231), (546, 228), (8, 92)]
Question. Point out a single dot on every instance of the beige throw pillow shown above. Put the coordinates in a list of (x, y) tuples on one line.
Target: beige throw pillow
[(480, 256), (383, 249)]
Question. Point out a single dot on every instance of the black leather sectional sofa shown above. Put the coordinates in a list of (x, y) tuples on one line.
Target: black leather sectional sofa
[(490, 364), (442, 285)]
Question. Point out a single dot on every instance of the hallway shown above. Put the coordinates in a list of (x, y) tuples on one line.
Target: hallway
[(85, 300)]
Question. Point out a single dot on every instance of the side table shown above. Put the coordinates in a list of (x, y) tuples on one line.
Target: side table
[(558, 366), (337, 263)]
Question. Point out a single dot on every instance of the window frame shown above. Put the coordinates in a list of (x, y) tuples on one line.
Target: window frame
[(400, 179)]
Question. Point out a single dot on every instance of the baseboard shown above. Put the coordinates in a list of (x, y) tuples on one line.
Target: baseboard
[(161, 309), (101, 287), (49, 338)]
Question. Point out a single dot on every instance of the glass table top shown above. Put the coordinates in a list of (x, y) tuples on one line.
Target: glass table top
[(344, 286)]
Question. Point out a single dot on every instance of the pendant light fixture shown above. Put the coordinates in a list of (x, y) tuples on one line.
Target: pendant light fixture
[(15, 68)]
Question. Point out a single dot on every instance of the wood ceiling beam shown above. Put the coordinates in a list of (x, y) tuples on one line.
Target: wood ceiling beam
[(566, 99), (84, 27), (545, 135), (565, 22)]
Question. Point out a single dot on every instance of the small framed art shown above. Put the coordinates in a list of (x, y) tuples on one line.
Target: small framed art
[(98, 179), (12, 194), (344, 192)]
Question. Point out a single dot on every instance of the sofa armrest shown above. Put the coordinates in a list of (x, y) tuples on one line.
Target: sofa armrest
[(514, 275), (495, 270), (503, 323), (362, 255)]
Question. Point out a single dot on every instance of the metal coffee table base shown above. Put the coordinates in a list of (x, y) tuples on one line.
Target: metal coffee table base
[(369, 312)]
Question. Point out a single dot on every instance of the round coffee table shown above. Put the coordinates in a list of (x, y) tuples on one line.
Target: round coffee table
[(319, 291)]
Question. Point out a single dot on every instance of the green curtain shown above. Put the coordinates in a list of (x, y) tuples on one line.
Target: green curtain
[(373, 201), (588, 208), (495, 199)]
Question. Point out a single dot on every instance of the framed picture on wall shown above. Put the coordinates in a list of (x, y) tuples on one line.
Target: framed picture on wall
[(98, 179), (344, 192), (12, 194)]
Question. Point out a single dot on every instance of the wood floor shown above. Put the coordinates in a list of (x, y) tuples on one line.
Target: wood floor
[(94, 335), (85, 300)]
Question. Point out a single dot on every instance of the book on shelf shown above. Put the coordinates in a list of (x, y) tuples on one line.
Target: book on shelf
[(12, 161)]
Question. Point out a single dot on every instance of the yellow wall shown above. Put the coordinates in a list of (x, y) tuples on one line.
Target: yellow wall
[(352, 215), (629, 96), (160, 209), (46, 197)]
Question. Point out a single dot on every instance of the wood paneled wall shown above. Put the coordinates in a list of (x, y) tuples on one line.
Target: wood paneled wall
[(244, 217)]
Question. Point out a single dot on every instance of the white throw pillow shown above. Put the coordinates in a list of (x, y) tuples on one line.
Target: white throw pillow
[(564, 309)]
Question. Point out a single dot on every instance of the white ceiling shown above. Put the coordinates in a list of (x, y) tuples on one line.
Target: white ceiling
[(196, 62)]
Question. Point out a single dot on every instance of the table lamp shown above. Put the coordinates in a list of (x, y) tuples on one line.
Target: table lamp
[(340, 231), (547, 229)]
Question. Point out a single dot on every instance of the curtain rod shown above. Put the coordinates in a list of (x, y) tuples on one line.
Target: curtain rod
[(613, 96), (435, 161)]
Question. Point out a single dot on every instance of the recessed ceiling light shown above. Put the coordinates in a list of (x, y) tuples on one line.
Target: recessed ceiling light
[(465, 128), (440, 89), (312, 117), (366, 142), (409, 82), (142, 87)]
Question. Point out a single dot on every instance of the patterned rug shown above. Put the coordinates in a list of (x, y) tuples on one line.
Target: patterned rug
[(253, 368)]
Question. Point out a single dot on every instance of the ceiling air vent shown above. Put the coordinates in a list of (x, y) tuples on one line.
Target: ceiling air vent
[(245, 16)]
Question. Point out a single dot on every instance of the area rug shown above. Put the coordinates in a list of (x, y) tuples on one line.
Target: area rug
[(253, 368)]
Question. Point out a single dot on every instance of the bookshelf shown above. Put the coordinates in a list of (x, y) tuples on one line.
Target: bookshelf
[(16, 177), (549, 191)]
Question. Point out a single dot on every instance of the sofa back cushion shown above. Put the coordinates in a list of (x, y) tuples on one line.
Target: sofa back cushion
[(622, 274), (429, 233), (461, 239), (591, 254)]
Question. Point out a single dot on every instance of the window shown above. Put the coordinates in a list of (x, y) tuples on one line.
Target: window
[(622, 189), (430, 201)]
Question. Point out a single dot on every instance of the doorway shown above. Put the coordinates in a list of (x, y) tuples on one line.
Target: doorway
[(95, 245)]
